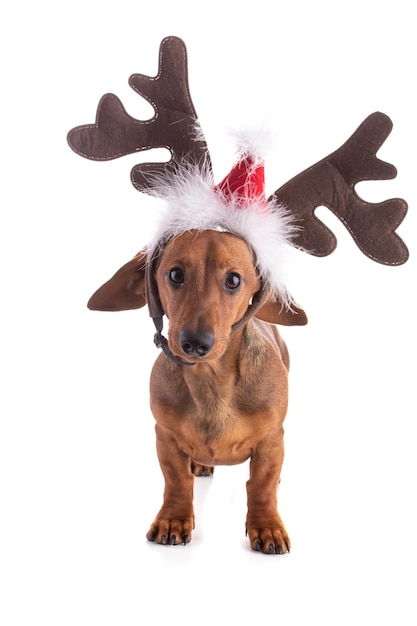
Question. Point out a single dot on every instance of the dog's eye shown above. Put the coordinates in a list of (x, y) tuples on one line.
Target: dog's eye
[(176, 276), (232, 281)]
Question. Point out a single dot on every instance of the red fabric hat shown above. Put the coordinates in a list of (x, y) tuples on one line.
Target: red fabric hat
[(245, 182)]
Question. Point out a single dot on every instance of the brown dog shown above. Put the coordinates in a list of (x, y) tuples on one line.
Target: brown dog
[(219, 390), (222, 397)]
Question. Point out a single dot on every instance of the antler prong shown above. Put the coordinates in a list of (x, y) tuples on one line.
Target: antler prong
[(331, 183), (115, 133)]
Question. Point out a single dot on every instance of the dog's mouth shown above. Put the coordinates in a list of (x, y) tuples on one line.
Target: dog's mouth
[(183, 359), (196, 348), (193, 356)]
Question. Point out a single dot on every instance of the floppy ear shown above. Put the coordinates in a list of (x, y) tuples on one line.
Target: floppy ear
[(275, 312), (125, 290)]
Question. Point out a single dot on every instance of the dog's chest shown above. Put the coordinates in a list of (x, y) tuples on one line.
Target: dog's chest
[(224, 421), (222, 398), (226, 437), (224, 450)]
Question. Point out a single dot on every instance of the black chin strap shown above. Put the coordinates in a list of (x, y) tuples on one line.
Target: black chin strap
[(257, 301), (156, 311), (162, 342)]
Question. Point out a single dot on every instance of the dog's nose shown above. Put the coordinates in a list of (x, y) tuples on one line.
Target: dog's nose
[(196, 343)]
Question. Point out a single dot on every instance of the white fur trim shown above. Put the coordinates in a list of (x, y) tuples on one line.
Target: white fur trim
[(255, 142), (191, 202)]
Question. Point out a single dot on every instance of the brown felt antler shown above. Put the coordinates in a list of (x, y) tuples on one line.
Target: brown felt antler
[(331, 183), (174, 125), (328, 183)]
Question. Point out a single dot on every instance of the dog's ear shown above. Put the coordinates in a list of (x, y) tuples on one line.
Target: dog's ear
[(275, 312), (125, 290)]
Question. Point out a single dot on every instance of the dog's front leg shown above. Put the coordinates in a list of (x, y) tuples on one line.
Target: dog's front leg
[(264, 526), (175, 521)]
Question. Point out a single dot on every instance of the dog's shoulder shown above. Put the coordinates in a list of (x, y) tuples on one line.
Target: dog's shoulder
[(261, 343), (264, 363)]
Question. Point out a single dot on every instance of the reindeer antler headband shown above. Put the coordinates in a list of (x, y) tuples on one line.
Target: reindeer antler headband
[(239, 203)]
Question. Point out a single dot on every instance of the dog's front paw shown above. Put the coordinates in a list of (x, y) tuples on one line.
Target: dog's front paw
[(171, 531), (270, 539)]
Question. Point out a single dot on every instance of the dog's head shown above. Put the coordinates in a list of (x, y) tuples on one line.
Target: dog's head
[(206, 283)]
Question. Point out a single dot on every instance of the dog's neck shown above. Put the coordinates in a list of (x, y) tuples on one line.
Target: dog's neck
[(214, 385), (211, 392)]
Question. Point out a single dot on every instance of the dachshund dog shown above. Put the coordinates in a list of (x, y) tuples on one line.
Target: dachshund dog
[(222, 396), (219, 388)]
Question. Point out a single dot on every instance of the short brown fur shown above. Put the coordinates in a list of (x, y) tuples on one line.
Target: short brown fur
[(230, 405)]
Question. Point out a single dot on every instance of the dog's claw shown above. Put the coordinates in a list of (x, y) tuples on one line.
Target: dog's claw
[(267, 539), (185, 539), (173, 540)]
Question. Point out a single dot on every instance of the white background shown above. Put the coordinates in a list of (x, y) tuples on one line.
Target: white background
[(79, 478)]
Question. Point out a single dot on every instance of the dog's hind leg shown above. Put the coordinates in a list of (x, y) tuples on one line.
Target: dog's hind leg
[(201, 470)]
